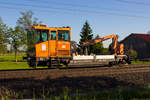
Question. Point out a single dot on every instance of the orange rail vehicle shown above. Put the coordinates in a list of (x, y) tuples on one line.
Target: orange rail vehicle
[(48, 46)]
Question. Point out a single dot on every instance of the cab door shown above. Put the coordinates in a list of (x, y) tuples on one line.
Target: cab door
[(52, 43), (63, 44), (42, 43)]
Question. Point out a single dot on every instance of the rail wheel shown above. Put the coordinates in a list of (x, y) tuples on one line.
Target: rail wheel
[(32, 63), (129, 59), (64, 64), (49, 64)]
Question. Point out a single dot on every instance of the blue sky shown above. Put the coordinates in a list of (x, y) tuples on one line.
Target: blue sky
[(105, 17)]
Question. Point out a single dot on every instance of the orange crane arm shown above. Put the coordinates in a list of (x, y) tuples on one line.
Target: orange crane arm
[(92, 42), (118, 48)]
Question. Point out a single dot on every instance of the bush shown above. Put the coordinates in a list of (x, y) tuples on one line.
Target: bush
[(133, 53), (105, 51)]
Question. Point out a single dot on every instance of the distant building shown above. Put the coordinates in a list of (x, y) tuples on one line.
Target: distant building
[(140, 43)]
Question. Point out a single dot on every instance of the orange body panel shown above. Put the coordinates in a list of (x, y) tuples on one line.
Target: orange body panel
[(42, 49), (63, 49), (61, 45), (52, 48)]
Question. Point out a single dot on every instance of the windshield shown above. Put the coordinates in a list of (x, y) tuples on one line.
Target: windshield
[(63, 35), (42, 36)]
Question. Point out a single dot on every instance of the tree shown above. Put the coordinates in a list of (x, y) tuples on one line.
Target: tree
[(132, 53), (16, 39), (148, 32), (98, 47), (3, 31), (26, 20), (110, 48), (85, 34), (74, 46), (105, 51)]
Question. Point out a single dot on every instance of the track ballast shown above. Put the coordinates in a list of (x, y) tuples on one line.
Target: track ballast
[(73, 72)]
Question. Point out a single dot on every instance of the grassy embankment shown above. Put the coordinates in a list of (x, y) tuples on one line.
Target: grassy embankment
[(117, 94)]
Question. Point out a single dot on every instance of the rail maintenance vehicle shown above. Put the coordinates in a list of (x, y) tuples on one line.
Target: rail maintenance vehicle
[(52, 46)]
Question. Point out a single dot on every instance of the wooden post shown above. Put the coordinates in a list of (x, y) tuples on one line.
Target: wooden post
[(86, 50)]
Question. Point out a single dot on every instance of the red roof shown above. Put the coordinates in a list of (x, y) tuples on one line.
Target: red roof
[(145, 37)]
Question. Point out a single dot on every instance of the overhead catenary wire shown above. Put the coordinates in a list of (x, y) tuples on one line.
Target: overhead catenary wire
[(84, 6), (36, 9), (74, 10), (134, 2)]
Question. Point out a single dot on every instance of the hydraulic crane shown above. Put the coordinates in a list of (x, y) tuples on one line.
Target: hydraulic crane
[(118, 49)]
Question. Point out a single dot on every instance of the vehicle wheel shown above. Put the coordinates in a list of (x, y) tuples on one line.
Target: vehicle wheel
[(130, 59), (64, 64), (110, 64), (49, 64), (129, 62), (32, 63)]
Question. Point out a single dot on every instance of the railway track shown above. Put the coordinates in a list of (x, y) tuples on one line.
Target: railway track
[(73, 72)]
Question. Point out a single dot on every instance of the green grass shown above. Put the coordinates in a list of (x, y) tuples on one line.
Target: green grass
[(14, 65), (7, 62), (117, 94), (140, 62), (11, 57)]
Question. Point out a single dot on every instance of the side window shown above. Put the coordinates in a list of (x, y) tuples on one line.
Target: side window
[(60, 35), (53, 35), (44, 36), (63, 35), (66, 35)]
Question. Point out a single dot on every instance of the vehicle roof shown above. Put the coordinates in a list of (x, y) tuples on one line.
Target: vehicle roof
[(51, 28)]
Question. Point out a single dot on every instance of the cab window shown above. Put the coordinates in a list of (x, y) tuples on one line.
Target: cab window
[(53, 35), (42, 36), (63, 35), (38, 35), (30, 37)]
